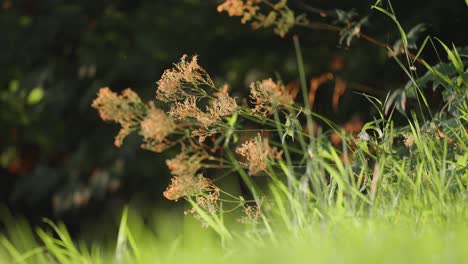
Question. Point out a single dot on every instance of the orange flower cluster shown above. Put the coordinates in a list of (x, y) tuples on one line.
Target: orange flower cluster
[(185, 183), (266, 94), (247, 9), (171, 84), (114, 107), (187, 186), (186, 163), (202, 134), (155, 129), (284, 23), (185, 85), (256, 153), (132, 114), (186, 108), (189, 108), (283, 20), (223, 105), (127, 109), (281, 17)]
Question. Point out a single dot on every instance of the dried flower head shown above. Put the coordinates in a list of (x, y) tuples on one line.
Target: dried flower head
[(256, 153), (184, 109), (266, 94), (186, 163), (245, 8), (209, 201), (156, 125), (106, 103), (187, 186), (155, 128), (189, 109), (155, 146), (251, 214), (285, 22), (126, 109), (202, 134), (123, 133), (171, 84), (281, 17), (114, 107), (223, 105)]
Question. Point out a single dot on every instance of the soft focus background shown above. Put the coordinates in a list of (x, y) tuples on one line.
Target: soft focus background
[(57, 158)]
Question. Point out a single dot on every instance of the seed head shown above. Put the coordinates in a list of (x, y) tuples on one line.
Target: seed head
[(245, 8), (186, 186), (156, 125), (256, 153), (172, 82), (127, 109), (267, 94)]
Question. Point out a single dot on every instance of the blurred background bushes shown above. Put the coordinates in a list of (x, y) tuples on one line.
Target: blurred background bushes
[(58, 160)]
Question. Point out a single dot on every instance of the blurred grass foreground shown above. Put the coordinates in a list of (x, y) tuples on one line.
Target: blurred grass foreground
[(270, 174), (391, 236)]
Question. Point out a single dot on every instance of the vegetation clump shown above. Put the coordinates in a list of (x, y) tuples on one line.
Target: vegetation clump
[(378, 186)]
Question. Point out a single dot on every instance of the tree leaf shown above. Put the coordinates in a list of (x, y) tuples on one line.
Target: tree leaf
[(14, 85), (35, 96)]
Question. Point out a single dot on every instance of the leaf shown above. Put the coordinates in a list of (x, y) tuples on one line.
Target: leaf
[(364, 136), (429, 77), (455, 59), (378, 2), (230, 133), (232, 119), (7, 156), (437, 73), (35, 96), (288, 132), (421, 48), (347, 34), (14, 85), (290, 127), (24, 21)]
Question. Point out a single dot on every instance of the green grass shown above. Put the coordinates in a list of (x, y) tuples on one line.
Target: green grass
[(412, 210), (407, 236)]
